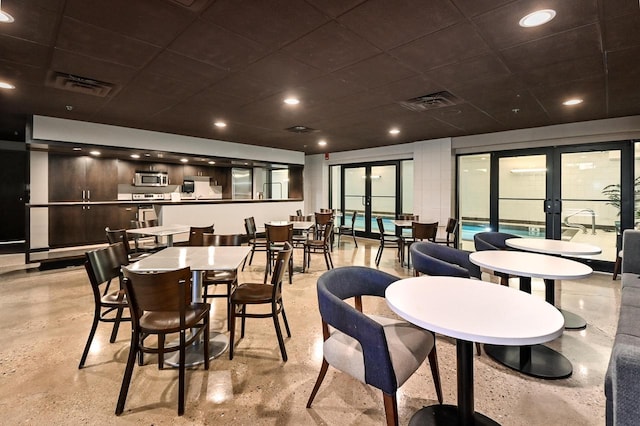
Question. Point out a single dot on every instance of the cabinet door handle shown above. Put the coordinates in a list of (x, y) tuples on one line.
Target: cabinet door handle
[(88, 194), (83, 195)]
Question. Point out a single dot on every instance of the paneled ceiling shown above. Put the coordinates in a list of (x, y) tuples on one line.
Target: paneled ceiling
[(177, 66)]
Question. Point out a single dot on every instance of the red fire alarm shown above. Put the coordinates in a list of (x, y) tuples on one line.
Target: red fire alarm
[(326, 155)]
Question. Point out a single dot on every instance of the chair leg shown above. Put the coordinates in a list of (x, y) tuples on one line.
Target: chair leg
[(286, 323), (94, 326), (243, 320), (478, 349), (116, 325), (291, 269), (390, 409), (232, 329), (330, 259), (161, 351), (326, 259), (276, 323), (616, 268), (316, 387), (206, 343), (379, 254), (128, 372), (435, 371), (354, 239)]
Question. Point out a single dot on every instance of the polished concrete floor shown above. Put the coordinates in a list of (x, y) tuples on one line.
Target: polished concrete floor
[(46, 315)]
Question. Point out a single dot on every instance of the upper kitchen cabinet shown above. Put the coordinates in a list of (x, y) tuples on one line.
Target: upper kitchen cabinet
[(82, 178), (191, 170)]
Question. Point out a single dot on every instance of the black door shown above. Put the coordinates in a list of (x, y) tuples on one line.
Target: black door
[(13, 165)]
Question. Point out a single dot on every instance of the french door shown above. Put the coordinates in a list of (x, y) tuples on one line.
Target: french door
[(561, 193), (372, 190)]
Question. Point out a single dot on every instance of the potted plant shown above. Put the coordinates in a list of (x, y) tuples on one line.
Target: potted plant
[(612, 192)]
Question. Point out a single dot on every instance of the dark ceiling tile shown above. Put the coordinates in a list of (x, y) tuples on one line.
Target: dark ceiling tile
[(241, 87), (623, 78), (474, 70), (214, 45), (378, 20), (135, 102), (94, 42), (326, 87), (501, 29), (591, 91), (95, 69), (475, 7), (464, 117), (330, 48), (50, 101), (152, 21), (280, 70), (622, 32), (209, 98), (450, 45), (335, 8), (37, 24), (23, 52), (174, 65), (170, 87), (613, 8), (561, 72), (573, 44), (286, 20), (18, 74), (409, 88), (373, 72)]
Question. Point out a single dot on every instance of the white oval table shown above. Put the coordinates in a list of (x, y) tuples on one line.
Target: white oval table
[(471, 311)]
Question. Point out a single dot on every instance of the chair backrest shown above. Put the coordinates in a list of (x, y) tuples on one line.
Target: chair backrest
[(279, 269), (452, 225), (437, 259), (118, 236), (298, 212), (221, 240), (380, 227), (414, 217), (150, 222), (332, 211), (195, 234), (353, 219), (297, 218), (279, 233), (158, 291), (136, 224), (492, 240), (424, 231), (250, 226), (103, 265), (322, 219), (327, 234), (339, 284)]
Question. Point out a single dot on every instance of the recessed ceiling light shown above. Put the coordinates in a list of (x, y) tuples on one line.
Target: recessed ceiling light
[(184, 160), (322, 143), (69, 107), (572, 102), (135, 156), (77, 148), (147, 155), (220, 124), (5, 85), (292, 101), (539, 17), (5, 18), (95, 153), (212, 162), (394, 131)]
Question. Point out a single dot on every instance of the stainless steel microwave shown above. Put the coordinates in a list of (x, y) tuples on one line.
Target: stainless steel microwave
[(147, 178)]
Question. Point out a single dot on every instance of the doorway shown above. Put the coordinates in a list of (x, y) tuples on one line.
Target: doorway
[(13, 166)]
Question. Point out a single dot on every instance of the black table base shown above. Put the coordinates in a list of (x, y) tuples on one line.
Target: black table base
[(573, 321), (537, 360), (446, 415)]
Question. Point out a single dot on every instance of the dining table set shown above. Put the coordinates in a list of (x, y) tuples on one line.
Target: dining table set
[(513, 324)]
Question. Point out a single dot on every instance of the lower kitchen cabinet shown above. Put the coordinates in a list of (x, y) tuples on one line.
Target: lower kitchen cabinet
[(84, 224)]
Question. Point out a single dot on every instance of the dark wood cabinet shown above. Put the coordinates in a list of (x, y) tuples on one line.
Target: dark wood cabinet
[(84, 224), (82, 178), (193, 170), (296, 183)]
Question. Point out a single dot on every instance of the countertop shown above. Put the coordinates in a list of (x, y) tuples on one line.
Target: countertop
[(158, 202)]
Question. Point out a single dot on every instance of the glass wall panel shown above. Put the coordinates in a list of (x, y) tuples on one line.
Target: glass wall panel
[(474, 185), (383, 194), (280, 184), (241, 183), (355, 192), (335, 189)]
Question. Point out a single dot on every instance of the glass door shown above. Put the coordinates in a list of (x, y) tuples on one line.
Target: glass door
[(371, 190)]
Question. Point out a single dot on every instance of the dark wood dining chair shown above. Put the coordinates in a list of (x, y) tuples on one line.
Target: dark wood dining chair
[(299, 236), (262, 294), (142, 243), (387, 240), (277, 236), (349, 230), (195, 234), (256, 241), (121, 236), (420, 232), (227, 279), (451, 232), (103, 268), (160, 304), (319, 246)]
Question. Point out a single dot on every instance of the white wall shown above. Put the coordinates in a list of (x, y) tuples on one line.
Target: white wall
[(58, 129)]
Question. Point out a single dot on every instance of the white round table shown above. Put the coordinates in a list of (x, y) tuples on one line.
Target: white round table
[(557, 247), (471, 311)]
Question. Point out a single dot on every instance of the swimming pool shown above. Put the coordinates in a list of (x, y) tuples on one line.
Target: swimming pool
[(470, 229)]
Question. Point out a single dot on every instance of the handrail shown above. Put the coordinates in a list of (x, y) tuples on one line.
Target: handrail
[(580, 226)]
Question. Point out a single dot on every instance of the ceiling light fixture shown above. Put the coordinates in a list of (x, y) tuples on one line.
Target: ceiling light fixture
[(539, 17), (212, 162), (5, 85), (571, 102), (5, 18), (184, 160), (322, 143), (77, 148), (292, 101), (394, 131), (220, 124), (135, 156), (95, 153)]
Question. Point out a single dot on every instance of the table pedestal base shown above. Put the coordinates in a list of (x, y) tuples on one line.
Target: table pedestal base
[(537, 360), (218, 344), (446, 415), (573, 321)]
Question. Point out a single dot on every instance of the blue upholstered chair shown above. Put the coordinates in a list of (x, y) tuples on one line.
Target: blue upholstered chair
[(435, 259), (378, 351), (494, 241), (438, 260)]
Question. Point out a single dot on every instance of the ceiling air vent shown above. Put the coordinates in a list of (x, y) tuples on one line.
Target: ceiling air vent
[(300, 129), (78, 84), (431, 101)]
